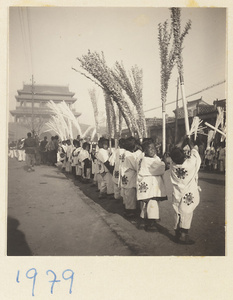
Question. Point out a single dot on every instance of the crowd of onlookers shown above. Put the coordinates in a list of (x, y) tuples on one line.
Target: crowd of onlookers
[(45, 151)]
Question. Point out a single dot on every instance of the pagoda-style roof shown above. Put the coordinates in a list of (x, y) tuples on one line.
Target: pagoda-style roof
[(220, 103), (194, 107), (158, 121), (196, 102), (45, 89), (42, 94), (40, 97), (45, 111)]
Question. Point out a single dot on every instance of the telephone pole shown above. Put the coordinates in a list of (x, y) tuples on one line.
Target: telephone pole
[(33, 129)]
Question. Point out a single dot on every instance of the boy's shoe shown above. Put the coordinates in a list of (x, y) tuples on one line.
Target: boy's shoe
[(110, 195), (129, 214), (102, 196), (177, 235), (141, 224), (85, 180), (185, 240), (151, 226)]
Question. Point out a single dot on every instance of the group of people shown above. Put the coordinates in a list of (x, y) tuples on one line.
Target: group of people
[(215, 157), (133, 172), (44, 152)]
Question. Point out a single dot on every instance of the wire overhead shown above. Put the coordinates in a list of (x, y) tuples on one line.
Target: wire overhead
[(190, 95), (26, 37)]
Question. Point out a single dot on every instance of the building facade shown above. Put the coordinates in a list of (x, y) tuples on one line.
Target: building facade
[(206, 112), (33, 100), (31, 110)]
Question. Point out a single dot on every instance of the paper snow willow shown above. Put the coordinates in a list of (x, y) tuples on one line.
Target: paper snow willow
[(178, 39), (196, 128), (167, 58), (63, 121), (132, 85), (103, 76), (92, 93)]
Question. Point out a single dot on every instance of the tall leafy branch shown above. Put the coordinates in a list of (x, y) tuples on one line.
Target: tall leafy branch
[(132, 85), (178, 38), (93, 96), (96, 66), (167, 59)]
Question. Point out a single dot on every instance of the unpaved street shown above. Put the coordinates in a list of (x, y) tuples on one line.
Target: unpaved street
[(51, 213)]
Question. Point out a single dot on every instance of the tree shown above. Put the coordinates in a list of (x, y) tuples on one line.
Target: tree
[(38, 124)]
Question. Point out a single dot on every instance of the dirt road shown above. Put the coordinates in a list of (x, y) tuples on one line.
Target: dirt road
[(51, 213)]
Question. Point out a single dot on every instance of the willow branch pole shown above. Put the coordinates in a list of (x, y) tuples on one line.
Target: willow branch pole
[(92, 93), (167, 58), (186, 117), (95, 64), (178, 38), (132, 85)]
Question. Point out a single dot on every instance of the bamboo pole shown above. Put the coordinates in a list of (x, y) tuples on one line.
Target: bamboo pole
[(177, 107), (207, 124), (164, 127), (33, 129), (186, 118)]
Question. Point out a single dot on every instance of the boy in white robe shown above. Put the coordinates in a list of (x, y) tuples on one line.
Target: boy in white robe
[(116, 161), (62, 154), (21, 151), (109, 164), (75, 155), (98, 167), (129, 177), (185, 197), (75, 152), (69, 149), (150, 186), (85, 159), (102, 157)]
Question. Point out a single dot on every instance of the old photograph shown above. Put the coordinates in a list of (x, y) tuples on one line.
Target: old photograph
[(116, 131)]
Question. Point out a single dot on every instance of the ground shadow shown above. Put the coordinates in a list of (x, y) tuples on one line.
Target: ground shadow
[(16, 242), (114, 206), (25, 168), (213, 181), (57, 177)]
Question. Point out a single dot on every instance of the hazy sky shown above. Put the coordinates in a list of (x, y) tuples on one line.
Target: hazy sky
[(55, 37)]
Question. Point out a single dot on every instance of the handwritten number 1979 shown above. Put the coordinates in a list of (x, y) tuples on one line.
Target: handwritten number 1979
[(32, 273)]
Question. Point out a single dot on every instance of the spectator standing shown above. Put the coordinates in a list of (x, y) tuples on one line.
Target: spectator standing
[(43, 151), (50, 148), (37, 150), (222, 157), (29, 146)]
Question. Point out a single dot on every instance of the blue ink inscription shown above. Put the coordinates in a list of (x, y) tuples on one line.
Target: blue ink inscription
[(32, 273), (54, 280), (32, 277), (71, 277)]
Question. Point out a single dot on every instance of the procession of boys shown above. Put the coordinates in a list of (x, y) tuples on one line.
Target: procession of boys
[(132, 172), (136, 162)]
